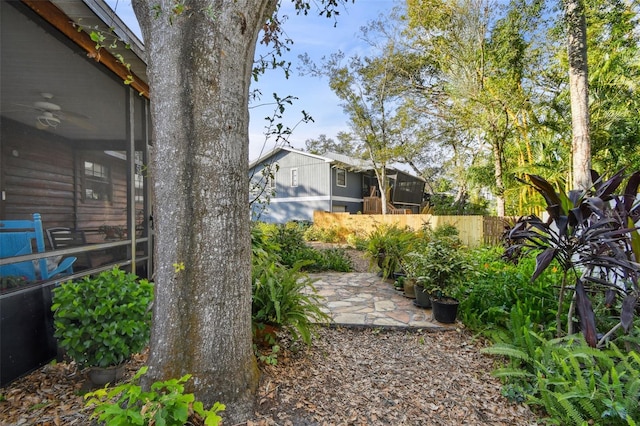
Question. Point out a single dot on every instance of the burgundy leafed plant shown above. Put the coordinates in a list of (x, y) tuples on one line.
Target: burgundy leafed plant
[(593, 235)]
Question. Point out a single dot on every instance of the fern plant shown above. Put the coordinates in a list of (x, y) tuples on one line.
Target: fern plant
[(574, 383), (286, 297)]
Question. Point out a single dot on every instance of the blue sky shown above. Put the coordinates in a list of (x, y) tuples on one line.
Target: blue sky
[(318, 37)]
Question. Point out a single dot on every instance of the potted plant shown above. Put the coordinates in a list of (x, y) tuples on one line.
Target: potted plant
[(284, 298), (415, 265), (386, 246), (437, 268), (101, 321), (593, 236), (113, 232)]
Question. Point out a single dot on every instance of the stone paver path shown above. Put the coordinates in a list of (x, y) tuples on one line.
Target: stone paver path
[(364, 299)]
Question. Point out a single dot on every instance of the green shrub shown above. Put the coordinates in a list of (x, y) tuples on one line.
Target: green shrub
[(263, 243), (165, 404), (357, 242), (334, 234), (286, 297), (445, 231), (334, 259), (101, 321), (496, 286), (440, 266)]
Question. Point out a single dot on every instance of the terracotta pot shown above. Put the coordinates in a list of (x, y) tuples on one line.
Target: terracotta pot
[(266, 335), (445, 309), (410, 288), (100, 376)]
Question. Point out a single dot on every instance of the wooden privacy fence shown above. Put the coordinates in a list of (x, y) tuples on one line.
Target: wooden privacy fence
[(474, 230)]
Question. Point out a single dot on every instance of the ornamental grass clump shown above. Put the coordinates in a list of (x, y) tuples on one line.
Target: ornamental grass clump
[(101, 321)]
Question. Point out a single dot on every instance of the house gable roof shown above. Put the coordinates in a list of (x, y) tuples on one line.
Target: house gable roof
[(264, 158), (333, 158)]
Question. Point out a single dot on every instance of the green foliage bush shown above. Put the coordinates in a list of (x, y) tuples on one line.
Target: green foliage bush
[(445, 205), (101, 321), (164, 404), (286, 297), (496, 286), (334, 234), (332, 259), (440, 266), (573, 383), (286, 244), (387, 245)]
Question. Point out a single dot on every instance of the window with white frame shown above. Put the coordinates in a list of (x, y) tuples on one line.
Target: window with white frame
[(97, 181), (341, 177), (294, 177)]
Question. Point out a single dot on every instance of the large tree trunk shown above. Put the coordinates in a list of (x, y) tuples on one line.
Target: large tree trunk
[(578, 86), (199, 67)]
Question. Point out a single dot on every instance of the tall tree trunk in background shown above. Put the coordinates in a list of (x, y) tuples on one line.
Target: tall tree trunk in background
[(579, 88), (496, 148), (199, 65)]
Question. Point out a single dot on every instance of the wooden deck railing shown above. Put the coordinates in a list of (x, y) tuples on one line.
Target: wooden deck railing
[(373, 205)]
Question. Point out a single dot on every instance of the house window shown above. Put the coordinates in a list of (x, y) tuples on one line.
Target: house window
[(271, 181), (97, 182), (294, 177), (341, 177)]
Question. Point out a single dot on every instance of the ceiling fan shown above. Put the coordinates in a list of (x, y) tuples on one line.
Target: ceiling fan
[(50, 114)]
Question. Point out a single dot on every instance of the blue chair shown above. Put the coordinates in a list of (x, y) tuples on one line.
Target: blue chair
[(16, 239)]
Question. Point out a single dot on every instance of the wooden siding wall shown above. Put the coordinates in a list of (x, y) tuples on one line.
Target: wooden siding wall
[(353, 188), (472, 228), (37, 177), (41, 178), (93, 214)]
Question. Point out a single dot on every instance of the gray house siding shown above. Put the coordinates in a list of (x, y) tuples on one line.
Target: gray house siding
[(285, 211), (346, 198), (298, 202), (305, 182), (312, 176)]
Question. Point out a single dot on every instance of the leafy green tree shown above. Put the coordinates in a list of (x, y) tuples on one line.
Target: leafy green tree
[(614, 72), (477, 66), (323, 144), (371, 101)]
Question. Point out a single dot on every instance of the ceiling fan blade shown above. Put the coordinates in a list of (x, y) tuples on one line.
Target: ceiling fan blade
[(78, 120)]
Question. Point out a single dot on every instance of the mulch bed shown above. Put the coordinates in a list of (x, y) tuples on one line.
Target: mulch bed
[(347, 377)]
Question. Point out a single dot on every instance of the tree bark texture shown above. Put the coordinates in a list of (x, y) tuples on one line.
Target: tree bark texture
[(579, 88), (199, 66), (496, 149)]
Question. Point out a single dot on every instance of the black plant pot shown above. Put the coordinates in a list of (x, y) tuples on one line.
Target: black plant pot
[(395, 275), (423, 300), (445, 309)]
